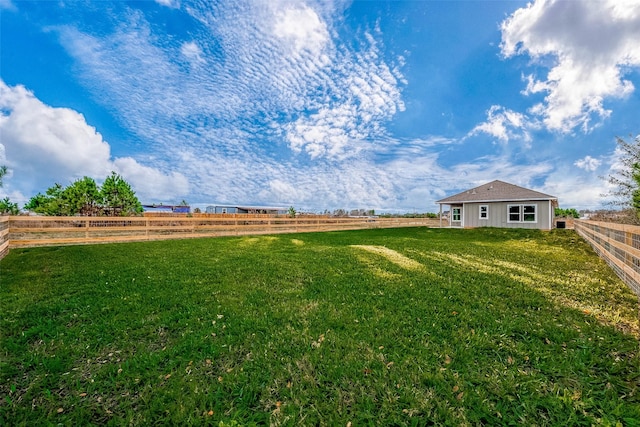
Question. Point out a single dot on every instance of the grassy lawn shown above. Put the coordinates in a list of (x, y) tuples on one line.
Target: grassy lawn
[(395, 327)]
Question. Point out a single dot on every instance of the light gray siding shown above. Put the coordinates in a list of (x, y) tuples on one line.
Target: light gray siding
[(498, 215)]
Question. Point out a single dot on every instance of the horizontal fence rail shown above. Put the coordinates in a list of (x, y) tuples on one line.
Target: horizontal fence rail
[(618, 245), (28, 231)]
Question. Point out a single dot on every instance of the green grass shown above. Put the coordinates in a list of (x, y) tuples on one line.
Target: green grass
[(395, 327)]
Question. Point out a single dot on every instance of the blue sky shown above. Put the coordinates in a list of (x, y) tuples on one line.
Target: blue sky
[(319, 105)]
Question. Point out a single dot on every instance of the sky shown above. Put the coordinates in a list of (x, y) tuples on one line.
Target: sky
[(384, 105)]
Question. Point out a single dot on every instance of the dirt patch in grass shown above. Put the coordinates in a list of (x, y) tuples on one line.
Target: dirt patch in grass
[(393, 256)]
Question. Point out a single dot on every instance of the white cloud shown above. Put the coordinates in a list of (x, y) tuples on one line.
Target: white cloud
[(488, 168), (147, 90), (7, 5), (302, 28), (174, 4), (192, 52), (592, 45), (505, 124), (582, 188), (277, 62), (251, 179), (411, 177), (588, 163), (576, 190), (283, 191), (362, 94), (276, 84), (149, 182), (328, 133), (43, 145), (573, 188), (40, 139), (283, 113)]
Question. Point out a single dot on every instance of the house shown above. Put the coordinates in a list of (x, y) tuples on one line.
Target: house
[(500, 204), (166, 208), (233, 209)]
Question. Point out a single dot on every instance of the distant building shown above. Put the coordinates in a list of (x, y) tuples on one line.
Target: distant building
[(500, 204), (166, 208), (233, 209)]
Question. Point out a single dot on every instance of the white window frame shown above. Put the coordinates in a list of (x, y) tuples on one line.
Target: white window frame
[(486, 212), (535, 213), (509, 213), (522, 213), (453, 215)]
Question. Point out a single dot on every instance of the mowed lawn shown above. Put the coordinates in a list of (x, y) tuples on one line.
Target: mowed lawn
[(378, 327)]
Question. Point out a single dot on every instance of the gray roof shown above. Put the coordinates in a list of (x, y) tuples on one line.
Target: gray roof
[(496, 191)]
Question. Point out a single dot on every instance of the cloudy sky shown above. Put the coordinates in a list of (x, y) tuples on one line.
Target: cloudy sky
[(320, 105)]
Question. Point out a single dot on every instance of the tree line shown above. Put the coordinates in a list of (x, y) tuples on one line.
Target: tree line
[(567, 213), (82, 197)]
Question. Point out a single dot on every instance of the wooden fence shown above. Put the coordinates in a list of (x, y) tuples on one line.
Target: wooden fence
[(618, 245), (4, 236), (27, 231)]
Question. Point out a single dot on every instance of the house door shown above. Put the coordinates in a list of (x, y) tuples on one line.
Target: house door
[(456, 217)]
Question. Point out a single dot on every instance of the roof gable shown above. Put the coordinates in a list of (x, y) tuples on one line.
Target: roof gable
[(496, 191)]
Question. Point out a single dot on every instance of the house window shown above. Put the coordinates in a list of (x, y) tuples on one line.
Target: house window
[(514, 213), (456, 214), (522, 213), (224, 210), (484, 211), (529, 213)]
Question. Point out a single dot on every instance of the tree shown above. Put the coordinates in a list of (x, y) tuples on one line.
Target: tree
[(83, 197), (36, 203), (292, 212), (8, 208), (50, 203), (635, 195), (567, 213), (118, 198), (3, 172), (624, 181)]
